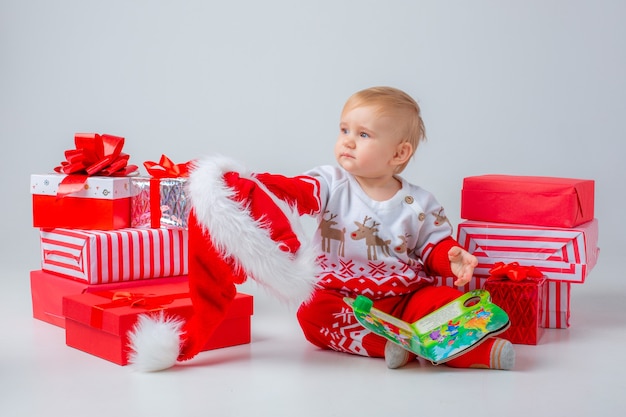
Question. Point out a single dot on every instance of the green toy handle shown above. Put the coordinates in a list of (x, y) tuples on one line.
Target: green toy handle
[(362, 304)]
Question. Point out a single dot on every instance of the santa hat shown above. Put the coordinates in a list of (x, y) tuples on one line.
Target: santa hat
[(240, 225)]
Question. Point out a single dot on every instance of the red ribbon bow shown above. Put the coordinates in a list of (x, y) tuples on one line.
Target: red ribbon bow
[(94, 155), (514, 271), (165, 168), (149, 302)]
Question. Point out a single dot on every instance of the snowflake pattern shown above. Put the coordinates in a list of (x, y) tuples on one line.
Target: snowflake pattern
[(377, 269), (346, 269), (346, 334), (322, 261)]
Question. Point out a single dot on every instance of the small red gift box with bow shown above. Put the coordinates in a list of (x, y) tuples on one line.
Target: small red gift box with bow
[(99, 322), (521, 292), (90, 189)]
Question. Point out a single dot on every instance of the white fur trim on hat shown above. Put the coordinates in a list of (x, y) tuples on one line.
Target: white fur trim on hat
[(154, 342), (290, 277)]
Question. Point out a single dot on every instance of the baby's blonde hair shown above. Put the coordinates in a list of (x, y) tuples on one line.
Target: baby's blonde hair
[(395, 103)]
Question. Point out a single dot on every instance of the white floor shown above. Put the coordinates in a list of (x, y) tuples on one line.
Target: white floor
[(575, 372)]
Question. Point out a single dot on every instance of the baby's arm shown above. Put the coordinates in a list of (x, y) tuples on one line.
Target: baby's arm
[(462, 264), (447, 258)]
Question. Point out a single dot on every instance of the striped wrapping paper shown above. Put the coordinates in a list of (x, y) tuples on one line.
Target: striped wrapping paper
[(101, 257), (474, 284), (556, 311), (562, 254)]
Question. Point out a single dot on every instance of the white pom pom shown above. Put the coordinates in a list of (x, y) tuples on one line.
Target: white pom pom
[(155, 342)]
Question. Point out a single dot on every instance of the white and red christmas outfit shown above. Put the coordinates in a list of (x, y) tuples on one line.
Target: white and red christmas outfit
[(385, 250)]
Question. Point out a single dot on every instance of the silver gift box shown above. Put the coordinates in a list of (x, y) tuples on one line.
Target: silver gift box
[(173, 202)]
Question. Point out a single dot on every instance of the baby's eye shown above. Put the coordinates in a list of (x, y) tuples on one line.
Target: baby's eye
[(344, 130), (364, 135)]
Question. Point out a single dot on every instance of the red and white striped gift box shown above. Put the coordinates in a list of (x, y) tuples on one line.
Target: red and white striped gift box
[(562, 254), (100, 257), (556, 312)]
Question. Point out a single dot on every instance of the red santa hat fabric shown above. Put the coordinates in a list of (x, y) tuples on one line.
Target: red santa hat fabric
[(241, 225)]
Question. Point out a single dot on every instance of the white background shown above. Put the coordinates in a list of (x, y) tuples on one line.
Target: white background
[(533, 87)]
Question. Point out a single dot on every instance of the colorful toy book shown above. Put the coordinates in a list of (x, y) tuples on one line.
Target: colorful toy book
[(443, 334)]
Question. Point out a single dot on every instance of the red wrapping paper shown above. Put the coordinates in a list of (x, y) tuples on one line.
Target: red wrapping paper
[(47, 292), (540, 201), (97, 324)]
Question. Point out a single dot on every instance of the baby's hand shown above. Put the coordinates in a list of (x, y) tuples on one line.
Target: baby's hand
[(462, 263)]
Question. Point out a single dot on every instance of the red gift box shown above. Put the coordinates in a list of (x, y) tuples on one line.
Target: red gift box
[(103, 203), (540, 201), (524, 302), (47, 292), (98, 323), (108, 256), (562, 254)]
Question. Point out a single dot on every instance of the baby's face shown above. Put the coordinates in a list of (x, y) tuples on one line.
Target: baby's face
[(367, 142)]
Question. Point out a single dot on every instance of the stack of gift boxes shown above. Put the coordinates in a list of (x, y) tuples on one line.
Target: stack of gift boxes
[(113, 246), (534, 238)]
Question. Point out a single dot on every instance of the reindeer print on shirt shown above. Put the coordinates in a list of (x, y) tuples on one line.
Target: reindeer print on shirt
[(329, 234), (441, 218), (372, 240), (403, 249)]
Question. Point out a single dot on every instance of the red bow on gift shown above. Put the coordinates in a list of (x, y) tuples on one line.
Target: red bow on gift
[(138, 300), (514, 271), (165, 168), (148, 302), (94, 155)]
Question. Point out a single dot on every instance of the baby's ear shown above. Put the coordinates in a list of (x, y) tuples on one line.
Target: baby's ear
[(404, 150)]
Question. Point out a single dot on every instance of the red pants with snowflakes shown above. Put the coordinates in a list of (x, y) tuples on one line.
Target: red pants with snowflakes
[(328, 322)]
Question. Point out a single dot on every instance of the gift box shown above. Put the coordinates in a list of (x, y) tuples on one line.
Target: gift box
[(47, 292), (93, 191), (98, 323), (524, 301), (103, 203), (107, 256), (159, 202), (557, 306), (540, 201), (562, 254)]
